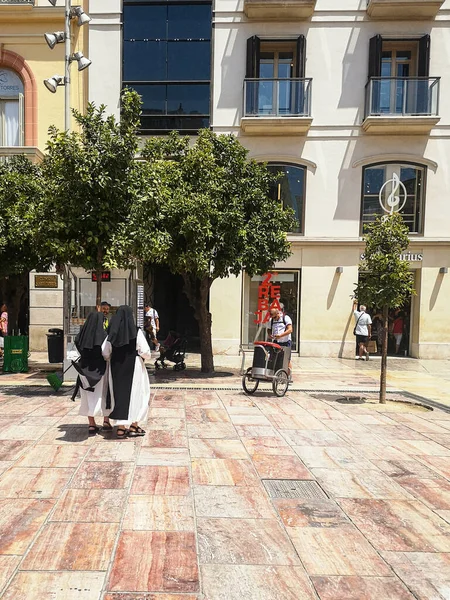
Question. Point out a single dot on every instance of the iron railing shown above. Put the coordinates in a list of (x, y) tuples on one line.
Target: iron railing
[(402, 96), (277, 97)]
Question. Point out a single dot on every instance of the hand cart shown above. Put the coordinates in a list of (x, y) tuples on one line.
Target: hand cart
[(270, 363)]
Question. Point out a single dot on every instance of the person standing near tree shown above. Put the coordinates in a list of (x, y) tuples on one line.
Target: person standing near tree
[(363, 329), (152, 317), (104, 307), (3, 326), (129, 389)]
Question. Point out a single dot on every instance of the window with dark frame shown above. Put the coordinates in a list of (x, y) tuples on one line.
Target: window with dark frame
[(400, 186), (290, 190), (167, 59)]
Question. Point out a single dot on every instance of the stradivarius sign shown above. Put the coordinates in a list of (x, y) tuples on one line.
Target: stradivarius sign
[(409, 256)]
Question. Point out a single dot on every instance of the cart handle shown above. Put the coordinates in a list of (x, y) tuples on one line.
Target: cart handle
[(268, 344)]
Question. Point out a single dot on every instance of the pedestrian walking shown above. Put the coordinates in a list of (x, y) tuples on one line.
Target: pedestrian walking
[(363, 329), (3, 326), (91, 367), (129, 387)]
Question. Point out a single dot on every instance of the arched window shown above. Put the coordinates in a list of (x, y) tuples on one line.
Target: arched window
[(394, 186), (11, 108), (290, 189)]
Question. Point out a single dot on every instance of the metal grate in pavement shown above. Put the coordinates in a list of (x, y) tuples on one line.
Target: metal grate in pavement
[(291, 488)]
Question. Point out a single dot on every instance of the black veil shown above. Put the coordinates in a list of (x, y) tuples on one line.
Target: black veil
[(123, 327), (92, 333)]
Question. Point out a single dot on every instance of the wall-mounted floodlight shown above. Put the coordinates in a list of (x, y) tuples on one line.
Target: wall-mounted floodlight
[(52, 83), (443, 270), (83, 62), (339, 270), (52, 2), (78, 12), (54, 38)]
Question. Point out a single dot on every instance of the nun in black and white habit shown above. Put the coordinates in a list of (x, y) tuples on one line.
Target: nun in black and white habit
[(129, 389), (91, 367)]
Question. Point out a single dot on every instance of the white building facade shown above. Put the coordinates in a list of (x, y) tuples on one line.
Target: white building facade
[(350, 99)]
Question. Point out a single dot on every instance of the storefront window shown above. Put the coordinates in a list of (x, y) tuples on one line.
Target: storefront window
[(289, 285), (397, 187), (290, 189)]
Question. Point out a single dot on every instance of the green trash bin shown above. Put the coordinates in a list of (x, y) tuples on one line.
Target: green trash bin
[(15, 359)]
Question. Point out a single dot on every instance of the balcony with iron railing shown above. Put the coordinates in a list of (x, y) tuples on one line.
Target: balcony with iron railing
[(403, 9), (277, 106), (401, 105), (279, 10)]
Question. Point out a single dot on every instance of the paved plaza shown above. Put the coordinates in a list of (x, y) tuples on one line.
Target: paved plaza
[(190, 510)]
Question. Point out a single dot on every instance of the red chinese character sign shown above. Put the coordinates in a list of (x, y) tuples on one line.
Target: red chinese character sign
[(268, 298)]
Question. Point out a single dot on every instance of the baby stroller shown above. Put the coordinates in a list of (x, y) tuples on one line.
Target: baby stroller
[(172, 349)]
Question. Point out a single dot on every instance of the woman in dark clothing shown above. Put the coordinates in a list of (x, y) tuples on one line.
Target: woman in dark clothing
[(129, 387), (91, 367)]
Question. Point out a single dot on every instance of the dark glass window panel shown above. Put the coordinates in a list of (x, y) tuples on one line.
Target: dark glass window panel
[(267, 56), (144, 61), (188, 99), (403, 54), (189, 61), (189, 21), (372, 206), (373, 180), (286, 56), (170, 123), (290, 189), (144, 22), (153, 98)]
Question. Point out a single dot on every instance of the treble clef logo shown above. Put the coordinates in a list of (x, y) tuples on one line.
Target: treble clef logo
[(396, 200)]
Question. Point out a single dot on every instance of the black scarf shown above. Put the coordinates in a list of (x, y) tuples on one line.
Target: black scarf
[(123, 327)]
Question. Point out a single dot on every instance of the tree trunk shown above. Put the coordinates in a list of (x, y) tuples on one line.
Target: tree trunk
[(384, 350), (197, 292), (98, 294)]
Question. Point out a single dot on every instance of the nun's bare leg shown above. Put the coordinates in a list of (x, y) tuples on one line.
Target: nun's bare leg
[(135, 430), (106, 424), (93, 426)]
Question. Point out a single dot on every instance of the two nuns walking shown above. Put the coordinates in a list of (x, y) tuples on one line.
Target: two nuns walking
[(112, 377)]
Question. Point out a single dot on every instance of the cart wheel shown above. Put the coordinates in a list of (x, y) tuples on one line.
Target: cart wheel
[(249, 384), (280, 383), (176, 367), (182, 366)]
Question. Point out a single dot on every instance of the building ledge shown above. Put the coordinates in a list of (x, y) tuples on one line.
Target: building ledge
[(31, 152), (403, 9), (394, 125), (276, 125), (28, 12), (279, 10)]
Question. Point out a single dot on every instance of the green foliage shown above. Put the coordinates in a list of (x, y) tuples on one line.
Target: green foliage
[(385, 279), (212, 215), (92, 179), (21, 193)]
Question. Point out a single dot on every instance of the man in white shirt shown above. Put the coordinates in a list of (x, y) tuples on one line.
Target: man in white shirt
[(280, 330), (152, 317), (363, 329)]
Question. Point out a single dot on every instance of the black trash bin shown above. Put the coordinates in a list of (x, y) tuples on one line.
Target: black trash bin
[(55, 345)]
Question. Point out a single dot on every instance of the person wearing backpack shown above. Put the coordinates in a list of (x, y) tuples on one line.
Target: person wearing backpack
[(280, 331)]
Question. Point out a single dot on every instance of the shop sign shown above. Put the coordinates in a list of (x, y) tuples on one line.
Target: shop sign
[(46, 281), (410, 257), (106, 276), (10, 83), (396, 199), (268, 298)]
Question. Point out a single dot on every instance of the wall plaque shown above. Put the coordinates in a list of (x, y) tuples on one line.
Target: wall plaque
[(46, 281)]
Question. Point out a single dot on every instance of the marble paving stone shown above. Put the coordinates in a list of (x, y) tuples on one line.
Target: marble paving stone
[(440, 464), (171, 457), (149, 596), (301, 421), (165, 439), (166, 424), (159, 513), (405, 468), (52, 410), (255, 582), (445, 514), (72, 547), (443, 439), (336, 551), (340, 483), (20, 521), (267, 445), (363, 438), (8, 565), (217, 449), (53, 456), (113, 451), (399, 525), (232, 502), (207, 415), (332, 457), (172, 413), (244, 541), (435, 493), (312, 438), (90, 505), (162, 400), (34, 482), (167, 562), (258, 420), (68, 434), (380, 452), (24, 432), (161, 481), (310, 513), (393, 433), (280, 467), (256, 431), (79, 585), (419, 424), (40, 421), (111, 475), (427, 575), (203, 400), (361, 588), (211, 430), (217, 471), (5, 465), (420, 448), (17, 409)]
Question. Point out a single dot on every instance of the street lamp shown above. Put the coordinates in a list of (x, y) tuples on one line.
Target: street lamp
[(52, 83)]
